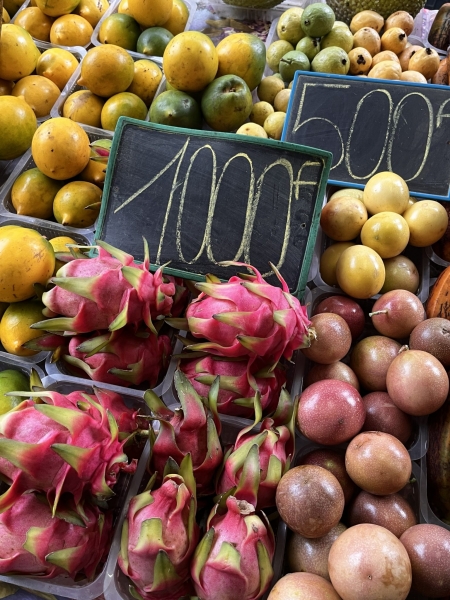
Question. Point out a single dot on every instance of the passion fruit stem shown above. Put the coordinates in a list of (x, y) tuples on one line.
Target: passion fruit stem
[(403, 348), (379, 312)]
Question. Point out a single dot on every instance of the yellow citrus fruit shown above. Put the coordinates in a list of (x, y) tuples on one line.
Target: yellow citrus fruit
[(6, 87), (269, 88), (328, 261), (190, 61), (260, 112), (39, 92), (123, 8), (71, 30), (124, 104), (33, 20), (56, 8), (15, 326), (275, 53), (252, 129), (59, 245), (95, 173), (386, 191), (18, 53), (387, 233), (58, 65), (178, 18), (26, 258), (106, 70), (150, 13), (92, 10), (33, 192), (12, 380), (17, 125), (84, 107), (342, 218), (244, 55), (360, 272), (427, 221), (77, 204), (146, 79), (274, 124), (5, 16), (60, 148)]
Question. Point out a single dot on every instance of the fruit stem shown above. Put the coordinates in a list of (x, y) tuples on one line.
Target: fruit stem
[(403, 348), (379, 312)]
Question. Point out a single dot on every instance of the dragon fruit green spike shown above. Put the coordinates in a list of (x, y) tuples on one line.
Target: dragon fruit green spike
[(237, 383), (122, 357), (160, 535), (266, 454), (125, 417), (248, 317), (193, 429), (109, 292), (234, 558), (33, 542), (60, 448)]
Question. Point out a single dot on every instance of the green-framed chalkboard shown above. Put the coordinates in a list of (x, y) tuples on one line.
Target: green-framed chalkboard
[(201, 197)]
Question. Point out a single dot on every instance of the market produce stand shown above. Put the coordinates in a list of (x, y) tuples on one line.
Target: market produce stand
[(224, 319)]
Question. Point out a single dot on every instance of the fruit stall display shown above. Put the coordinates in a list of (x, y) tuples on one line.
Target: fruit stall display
[(217, 439)]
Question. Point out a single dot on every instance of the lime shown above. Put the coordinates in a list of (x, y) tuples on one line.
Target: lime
[(120, 30), (309, 46), (317, 19), (291, 62), (153, 41), (177, 109), (12, 380)]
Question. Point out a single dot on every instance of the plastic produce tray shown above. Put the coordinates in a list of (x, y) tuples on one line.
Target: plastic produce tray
[(116, 584), (60, 369), (8, 361), (47, 45), (417, 446), (64, 585), (190, 4), (26, 162), (427, 513), (71, 87), (49, 231)]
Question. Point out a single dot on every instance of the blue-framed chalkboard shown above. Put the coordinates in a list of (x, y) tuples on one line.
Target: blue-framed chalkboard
[(373, 125)]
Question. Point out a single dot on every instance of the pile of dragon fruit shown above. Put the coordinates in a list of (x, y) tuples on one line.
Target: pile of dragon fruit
[(200, 525), (61, 456)]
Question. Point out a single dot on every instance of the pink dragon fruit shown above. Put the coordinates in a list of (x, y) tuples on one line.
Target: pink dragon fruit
[(237, 383), (122, 357), (267, 454), (247, 317), (57, 449), (107, 292), (35, 543), (190, 429), (126, 418), (159, 536), (234, 558)]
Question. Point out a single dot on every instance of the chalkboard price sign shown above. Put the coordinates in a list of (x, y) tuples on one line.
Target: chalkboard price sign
[(201, 197), (373, 125)]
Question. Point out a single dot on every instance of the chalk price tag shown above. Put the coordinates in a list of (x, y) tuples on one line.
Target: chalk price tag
[(201, 197), (373, 125)]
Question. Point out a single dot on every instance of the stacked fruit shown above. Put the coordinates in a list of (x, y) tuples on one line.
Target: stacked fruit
[(370, 230), (144, 29), (111, 85), (313, 40), (61, 456), (62, 22), (106, 312), (258, 324)]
